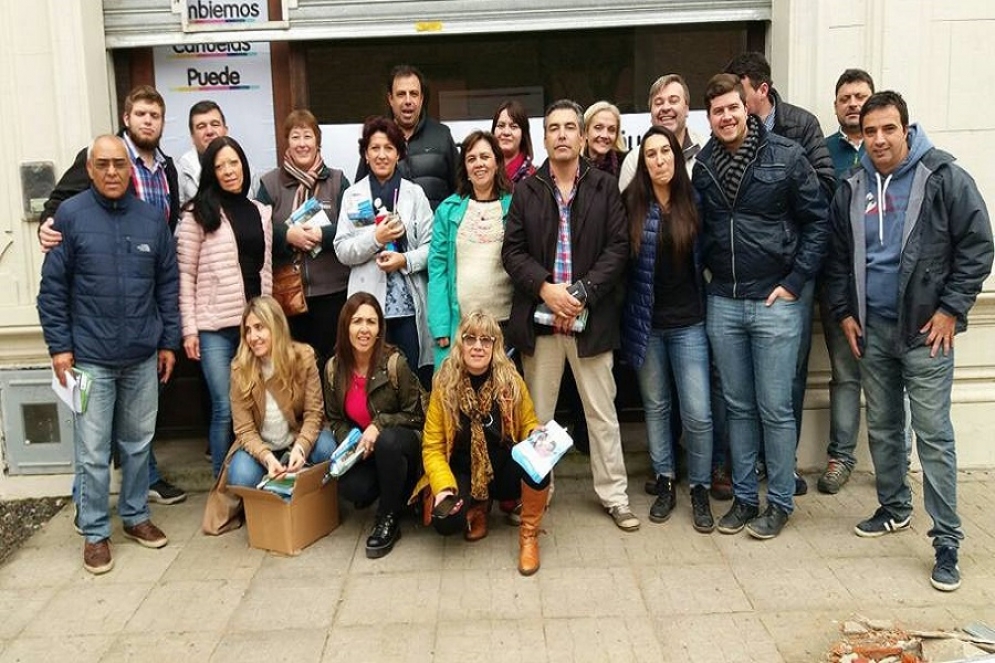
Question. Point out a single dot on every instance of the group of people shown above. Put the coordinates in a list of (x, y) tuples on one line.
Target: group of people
[(700, 260)]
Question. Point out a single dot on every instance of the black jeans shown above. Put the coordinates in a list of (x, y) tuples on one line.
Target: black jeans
[(506, 485), (390, 472), (318, 326)]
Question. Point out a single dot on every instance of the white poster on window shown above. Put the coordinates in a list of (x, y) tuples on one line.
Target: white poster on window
[(237, 76)]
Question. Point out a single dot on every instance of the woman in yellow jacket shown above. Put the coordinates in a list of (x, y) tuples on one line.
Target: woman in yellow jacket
[(480, 408), (276, 399)]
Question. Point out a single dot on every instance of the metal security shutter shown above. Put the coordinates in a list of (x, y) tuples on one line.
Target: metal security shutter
[(137, 23)]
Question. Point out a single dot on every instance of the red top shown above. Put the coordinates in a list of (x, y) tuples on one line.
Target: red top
[(356, 407)]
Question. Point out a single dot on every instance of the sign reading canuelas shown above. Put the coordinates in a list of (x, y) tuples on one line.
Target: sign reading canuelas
[(237, 76)]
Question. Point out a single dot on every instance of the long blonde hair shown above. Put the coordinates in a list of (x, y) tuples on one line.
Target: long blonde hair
[(503, 374), (246, 368)]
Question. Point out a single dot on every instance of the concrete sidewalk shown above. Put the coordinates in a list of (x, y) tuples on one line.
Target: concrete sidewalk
[(664, 593)]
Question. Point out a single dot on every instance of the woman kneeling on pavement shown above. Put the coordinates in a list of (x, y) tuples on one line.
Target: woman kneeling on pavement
[(371, 387), (480, 408), (276, 400)]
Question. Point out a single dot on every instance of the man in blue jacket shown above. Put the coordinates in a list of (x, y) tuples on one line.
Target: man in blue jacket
[(763, 239), (911, 246), (108, 305)]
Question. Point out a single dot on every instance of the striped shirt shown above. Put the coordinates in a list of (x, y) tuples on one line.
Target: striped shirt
[(150, 185)]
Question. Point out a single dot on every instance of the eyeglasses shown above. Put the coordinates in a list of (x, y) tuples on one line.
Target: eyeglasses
[(486, 342)]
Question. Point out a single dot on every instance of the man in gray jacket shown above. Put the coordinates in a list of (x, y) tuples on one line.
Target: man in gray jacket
[(911, 248)]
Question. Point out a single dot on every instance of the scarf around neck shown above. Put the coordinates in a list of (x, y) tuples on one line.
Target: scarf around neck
[(478, 405), (306, 179), (731, 166)]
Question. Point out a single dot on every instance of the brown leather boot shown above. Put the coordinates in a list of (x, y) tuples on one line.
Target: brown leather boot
[(476, 520), (533, 506)]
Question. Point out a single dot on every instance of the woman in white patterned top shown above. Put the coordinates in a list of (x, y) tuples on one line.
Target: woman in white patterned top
[(464, 263)]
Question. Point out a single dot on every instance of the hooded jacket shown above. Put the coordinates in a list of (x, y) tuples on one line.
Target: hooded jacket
[(946, 244), (802, 127)]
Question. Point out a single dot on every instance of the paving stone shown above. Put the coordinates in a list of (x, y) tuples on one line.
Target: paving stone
[(78, 649), (299, 646), (406, 598), (725, 638), (380, 641), (495, 594), (602, 640), (587, 592), (225, 557), (792, 586), (188, 605), (491, 641), (20, 607), (99, 607), (278, 604), (162, 647), (679, 590)]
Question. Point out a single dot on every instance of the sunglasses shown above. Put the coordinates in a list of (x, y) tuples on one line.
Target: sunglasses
[(484, 341)]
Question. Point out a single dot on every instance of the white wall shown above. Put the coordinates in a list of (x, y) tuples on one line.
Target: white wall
[(935, 54)]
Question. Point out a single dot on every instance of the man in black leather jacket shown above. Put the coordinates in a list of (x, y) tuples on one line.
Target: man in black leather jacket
[(431, 159)]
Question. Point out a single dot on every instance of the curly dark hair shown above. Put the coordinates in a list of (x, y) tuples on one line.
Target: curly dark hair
[(387, 127)]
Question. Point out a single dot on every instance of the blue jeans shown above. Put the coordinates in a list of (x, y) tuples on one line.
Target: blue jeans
[(756, 350), (844, 391), (125, 399), (217, 349), (685, 352), (244, 470), (928, 381)]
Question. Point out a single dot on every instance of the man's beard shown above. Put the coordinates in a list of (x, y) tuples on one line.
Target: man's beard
[(142, 143)]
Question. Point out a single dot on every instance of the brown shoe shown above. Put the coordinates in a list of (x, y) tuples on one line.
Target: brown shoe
[(97, 557), (147, 534), (476, 520)]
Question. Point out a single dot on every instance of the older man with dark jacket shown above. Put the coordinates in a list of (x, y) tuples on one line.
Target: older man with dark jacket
[(108, 305), (911, 249), (763, 239), (565, 248)]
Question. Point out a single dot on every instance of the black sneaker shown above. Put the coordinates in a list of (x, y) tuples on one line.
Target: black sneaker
[(946, 573), (768, 524), (163, 492), (701, 510), (801, 487), (880, 523), (386, 532), (665, 501), (736, 518)]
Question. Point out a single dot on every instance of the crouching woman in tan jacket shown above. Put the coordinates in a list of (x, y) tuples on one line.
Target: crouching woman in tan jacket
[(276, 401)]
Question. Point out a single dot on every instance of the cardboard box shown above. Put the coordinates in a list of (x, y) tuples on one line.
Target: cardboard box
[(289, 527)]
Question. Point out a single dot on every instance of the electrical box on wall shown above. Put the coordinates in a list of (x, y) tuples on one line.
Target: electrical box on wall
[(37, 426)]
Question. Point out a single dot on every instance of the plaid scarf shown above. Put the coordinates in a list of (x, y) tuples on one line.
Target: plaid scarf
[(306, 179), (731, 166)]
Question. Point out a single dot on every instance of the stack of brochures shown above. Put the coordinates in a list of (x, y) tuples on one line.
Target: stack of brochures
[(345, 455), (76, 393), (282, 485), (312, 213), (540, 451)]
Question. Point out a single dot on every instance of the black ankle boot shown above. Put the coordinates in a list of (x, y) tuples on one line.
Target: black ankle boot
[(386, 533), (665, 501)]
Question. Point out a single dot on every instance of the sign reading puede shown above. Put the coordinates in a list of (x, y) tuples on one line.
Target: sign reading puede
[(235, 75)]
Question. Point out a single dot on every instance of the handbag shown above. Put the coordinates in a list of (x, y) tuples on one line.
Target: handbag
[(288, 288), (223, 511)]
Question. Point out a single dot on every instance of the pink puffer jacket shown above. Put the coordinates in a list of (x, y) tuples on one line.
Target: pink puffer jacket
[(212, 295)]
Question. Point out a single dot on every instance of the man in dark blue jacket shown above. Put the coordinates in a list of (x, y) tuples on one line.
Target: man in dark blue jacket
[(108, 305), (911, 248), (763, 239)]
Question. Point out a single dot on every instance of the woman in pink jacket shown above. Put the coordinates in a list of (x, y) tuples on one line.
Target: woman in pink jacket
[(224, 251)]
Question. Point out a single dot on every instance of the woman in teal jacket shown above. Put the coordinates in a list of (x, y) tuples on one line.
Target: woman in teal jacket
[(465, 272)]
